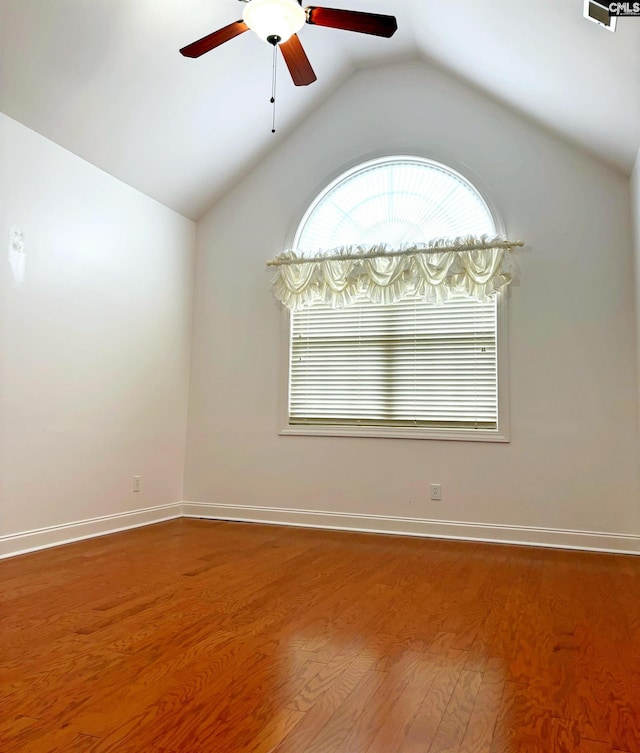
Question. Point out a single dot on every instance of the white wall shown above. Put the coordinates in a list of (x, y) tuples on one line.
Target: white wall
[(635, 211), (95, 341), (573, 459)]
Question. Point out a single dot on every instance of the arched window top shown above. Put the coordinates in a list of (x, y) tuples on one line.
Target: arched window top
[(395, 200)]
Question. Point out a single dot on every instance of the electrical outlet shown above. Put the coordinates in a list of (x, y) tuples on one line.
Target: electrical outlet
[(137, 483), (436, 491)]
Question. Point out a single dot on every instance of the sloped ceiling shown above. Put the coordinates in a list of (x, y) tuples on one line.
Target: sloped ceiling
[(103, 78)]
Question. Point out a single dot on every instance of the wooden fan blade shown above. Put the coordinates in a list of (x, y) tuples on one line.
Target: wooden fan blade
[(297, 61), (195, 49), (353, 20)]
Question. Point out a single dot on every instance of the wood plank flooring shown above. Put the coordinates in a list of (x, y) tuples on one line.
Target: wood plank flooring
[(204, 637)]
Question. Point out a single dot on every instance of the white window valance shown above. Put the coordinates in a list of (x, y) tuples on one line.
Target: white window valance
[(478, 266)]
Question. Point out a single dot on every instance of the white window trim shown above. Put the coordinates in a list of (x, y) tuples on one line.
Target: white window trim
[(501, 434)]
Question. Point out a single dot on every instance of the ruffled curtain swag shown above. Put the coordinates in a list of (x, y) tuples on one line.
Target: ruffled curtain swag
[(477, 266)]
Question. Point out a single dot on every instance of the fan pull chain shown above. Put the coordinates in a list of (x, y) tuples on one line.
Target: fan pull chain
[(273, 86)]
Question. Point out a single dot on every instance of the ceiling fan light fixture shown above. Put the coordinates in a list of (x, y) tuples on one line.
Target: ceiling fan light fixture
[(271, 19)]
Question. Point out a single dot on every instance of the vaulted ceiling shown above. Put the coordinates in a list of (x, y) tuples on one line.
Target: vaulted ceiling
[(103, 78)]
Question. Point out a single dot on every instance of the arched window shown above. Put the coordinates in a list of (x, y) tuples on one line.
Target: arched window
[(398, 200), (407, 368)]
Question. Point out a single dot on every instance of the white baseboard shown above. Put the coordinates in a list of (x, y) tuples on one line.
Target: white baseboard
[(42, 538), (501, 534)]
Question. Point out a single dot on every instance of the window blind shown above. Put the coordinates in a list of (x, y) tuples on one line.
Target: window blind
[(395, 201), (409, 363)]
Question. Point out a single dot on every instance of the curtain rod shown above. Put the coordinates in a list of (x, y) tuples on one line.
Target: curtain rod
[(282, 260)]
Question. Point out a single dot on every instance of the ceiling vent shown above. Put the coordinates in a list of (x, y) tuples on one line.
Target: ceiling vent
[(598, 12)]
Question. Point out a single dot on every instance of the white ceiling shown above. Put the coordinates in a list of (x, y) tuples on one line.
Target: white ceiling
[(104, 79)]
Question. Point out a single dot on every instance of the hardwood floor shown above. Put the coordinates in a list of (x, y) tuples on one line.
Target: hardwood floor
[(204, 637)]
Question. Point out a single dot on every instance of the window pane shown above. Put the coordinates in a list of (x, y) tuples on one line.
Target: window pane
[(410, 363), (394, 201), (406, 364)]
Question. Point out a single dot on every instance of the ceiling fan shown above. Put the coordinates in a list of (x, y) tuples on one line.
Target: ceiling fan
[(278, 21)]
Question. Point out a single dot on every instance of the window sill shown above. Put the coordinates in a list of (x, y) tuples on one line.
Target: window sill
[(381, 432)]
